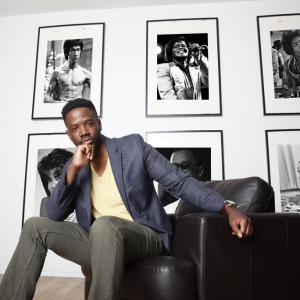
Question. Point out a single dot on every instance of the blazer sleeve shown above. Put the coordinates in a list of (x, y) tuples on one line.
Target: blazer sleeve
[(61, 202), (178, 183), (165, 82)]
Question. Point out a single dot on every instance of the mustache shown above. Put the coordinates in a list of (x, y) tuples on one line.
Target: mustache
[(88, 139)]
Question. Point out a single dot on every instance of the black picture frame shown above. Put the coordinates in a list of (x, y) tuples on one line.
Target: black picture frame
[(283, 159), (55, 149), (51, 63), (198, 152), (162, 100), (279, 87)]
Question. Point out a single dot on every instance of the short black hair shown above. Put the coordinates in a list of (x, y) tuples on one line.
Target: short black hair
[(56, 159), (76, 103), (68, 44), (277, 44), (287, 38), (170, 44)]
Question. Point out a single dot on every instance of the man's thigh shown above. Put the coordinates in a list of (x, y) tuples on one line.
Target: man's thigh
[(67, 239), (139, 241)]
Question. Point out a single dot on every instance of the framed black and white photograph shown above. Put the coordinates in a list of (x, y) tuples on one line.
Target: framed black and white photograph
[(279, 45), (283, 153), (183, 69), (69, 65), (199, 153), (47, 153)]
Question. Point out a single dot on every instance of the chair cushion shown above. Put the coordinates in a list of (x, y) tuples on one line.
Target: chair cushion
[(251, 194), (159, 278)]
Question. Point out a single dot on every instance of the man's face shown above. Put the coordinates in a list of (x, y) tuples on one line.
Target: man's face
[(180, 50), (74, 54), (53, 177), (83, 126), (296, 45), (185, 161)]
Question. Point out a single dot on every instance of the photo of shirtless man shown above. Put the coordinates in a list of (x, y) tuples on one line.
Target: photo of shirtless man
[(70, 80)]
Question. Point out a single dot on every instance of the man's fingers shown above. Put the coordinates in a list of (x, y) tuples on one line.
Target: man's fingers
[(240, 223), (236, 230), (242, 228), (85, 149), (89, 151)]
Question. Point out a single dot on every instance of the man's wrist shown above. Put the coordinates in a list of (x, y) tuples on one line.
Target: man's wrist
[(228, 204)]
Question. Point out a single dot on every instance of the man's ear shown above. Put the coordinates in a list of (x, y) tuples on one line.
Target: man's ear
[(68, 133)]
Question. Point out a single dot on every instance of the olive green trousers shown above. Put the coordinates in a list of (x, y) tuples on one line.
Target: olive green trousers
[(110, 245)]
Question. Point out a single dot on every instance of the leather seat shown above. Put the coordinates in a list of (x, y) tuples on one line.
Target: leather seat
[(159, 278), (208, 263)]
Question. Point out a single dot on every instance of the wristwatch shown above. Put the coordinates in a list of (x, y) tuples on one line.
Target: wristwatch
[(229, 203)]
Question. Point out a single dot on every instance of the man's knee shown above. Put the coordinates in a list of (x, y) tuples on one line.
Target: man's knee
[(34, 223), (107, 226)]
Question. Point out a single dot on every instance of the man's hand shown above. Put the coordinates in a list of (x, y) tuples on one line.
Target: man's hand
[(240, 224), (83, 155)]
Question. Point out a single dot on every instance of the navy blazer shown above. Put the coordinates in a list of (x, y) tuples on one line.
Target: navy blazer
[(135, 164)]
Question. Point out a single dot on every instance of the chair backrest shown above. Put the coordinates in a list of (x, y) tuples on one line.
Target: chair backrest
[(252, 194)]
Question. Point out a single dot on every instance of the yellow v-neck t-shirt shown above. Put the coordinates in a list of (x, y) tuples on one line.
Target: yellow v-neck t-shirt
[(106, 199)]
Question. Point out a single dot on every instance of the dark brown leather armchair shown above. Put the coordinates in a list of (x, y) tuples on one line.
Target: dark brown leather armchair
[(208, 263)]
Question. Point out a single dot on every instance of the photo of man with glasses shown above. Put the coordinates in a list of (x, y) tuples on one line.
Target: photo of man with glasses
[(194, 161)]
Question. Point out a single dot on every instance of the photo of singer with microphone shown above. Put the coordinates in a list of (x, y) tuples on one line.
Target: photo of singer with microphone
[(181, 75)]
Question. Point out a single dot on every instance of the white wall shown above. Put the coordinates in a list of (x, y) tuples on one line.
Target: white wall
[(243, 123)]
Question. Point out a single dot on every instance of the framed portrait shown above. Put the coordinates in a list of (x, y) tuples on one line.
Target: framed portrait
[(199, 153), (283, 155), (47, 153), (183, 69), (279, 45), (69, 65)]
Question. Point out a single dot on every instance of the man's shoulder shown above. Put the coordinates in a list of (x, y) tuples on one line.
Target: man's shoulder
[(166, 65), (63, 68), (131, 138), (133, 143), (164, 68)]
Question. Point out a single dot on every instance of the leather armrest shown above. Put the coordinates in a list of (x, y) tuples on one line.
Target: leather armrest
[(252, 194), (265, 265)]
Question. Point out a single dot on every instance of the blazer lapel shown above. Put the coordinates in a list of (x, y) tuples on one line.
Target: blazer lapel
[(86, 174), (115, 157)]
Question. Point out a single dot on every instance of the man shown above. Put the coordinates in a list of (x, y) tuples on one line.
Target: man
[(50, 168), (277, 63), (176, 79), (70, 81), (200, 61), (109, 183), (198, 55), (291, 73)]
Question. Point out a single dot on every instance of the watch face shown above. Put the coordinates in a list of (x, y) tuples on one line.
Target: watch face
[(230, 203)]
